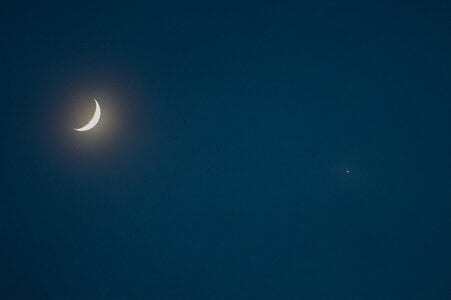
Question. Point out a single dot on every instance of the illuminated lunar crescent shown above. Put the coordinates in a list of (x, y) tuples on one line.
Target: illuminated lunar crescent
[(94, 120)]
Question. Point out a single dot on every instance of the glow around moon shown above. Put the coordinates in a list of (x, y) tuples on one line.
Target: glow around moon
[(94, 120)]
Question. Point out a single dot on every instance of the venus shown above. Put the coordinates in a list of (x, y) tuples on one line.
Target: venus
[(94, 120)]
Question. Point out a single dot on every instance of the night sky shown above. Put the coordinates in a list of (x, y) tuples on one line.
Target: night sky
[(249, 150)]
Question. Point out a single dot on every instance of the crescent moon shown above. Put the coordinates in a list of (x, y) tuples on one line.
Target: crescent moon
[(94, 120)]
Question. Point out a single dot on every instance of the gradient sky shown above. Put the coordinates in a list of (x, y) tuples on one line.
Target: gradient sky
[(218, 170)]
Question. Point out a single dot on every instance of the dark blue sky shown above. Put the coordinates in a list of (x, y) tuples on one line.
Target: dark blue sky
[(219, 169)]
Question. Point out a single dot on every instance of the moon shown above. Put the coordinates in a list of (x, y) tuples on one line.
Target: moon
[(94, 120)]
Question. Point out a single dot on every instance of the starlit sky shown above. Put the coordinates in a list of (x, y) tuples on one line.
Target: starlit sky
[(244, 150)]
